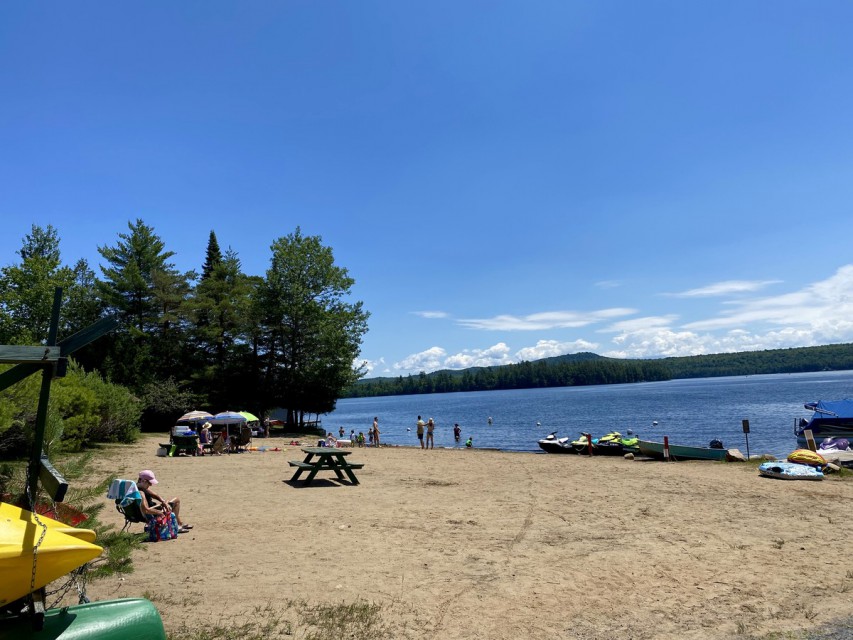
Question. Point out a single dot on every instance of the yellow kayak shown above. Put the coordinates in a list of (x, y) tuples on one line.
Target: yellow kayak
[(63, 549), (16, 513)]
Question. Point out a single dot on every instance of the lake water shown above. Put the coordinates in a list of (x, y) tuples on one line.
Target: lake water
[(690, 412)]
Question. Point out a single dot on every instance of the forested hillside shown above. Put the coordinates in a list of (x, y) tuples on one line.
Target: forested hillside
[(589, 368)]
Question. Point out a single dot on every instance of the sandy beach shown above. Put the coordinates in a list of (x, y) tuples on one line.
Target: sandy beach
[(462, 544)]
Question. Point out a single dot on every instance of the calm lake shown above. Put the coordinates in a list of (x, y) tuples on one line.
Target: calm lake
[(690, 412)]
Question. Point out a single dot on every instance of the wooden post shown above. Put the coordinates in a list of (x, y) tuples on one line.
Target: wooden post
[(810, 440), (666, 448), (745, 424)]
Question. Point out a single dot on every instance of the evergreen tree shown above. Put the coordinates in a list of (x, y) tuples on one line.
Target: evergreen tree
[(143, 289), (213, 258), (26, 289), (219, 313)]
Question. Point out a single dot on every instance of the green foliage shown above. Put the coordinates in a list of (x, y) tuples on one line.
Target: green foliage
[(163, 403), (311, 335), (26, 289), (146, 293), (837, 357), (84, 409), (589, 369), (552, 372)]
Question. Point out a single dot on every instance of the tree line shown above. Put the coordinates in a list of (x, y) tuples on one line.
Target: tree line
[(590, 369), (214, 337)]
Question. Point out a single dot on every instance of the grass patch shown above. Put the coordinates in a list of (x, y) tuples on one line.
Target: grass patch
[(315, 622), (332, 622)]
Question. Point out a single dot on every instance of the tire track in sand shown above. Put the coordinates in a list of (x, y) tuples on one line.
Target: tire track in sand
[(478, 581)]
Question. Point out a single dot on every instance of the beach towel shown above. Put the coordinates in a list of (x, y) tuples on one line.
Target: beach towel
[(125, 491)]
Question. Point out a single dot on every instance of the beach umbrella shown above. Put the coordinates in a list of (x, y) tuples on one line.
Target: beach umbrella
[(195, 416), (226, 418), (249, 417)]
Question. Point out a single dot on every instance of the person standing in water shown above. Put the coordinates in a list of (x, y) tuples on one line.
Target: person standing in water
[(376, 431), (430, 441), (457, 431), (421, 426)]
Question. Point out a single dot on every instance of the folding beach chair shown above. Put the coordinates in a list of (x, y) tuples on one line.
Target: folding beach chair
[(128, 502)]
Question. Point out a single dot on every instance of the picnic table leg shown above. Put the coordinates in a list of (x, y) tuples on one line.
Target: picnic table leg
[(343, 466), (299, 470), (351, 475)]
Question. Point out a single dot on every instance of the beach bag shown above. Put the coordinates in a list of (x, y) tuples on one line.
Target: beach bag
[(162, 527)]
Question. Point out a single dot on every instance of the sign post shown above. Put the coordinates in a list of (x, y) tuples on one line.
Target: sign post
[(666, 448), (746, 435)]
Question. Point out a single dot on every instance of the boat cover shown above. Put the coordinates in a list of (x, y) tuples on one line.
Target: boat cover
[(832, 408)]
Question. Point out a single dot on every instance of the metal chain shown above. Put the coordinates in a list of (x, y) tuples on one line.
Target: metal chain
[(43, 526), (77, 578)]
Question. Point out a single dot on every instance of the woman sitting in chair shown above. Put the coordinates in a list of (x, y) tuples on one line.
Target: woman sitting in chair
[(154, 505)]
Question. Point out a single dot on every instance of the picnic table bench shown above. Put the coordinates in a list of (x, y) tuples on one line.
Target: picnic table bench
[(181, 444), (325, 459)]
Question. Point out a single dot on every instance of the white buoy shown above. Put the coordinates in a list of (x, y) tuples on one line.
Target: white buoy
[(654, 423)]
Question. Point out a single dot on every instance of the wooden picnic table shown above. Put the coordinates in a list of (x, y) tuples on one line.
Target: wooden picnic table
[(325, 459)]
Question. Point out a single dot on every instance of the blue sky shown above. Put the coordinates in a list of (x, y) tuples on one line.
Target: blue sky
[(504, 180)]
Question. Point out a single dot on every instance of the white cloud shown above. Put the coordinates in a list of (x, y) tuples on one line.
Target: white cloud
[(428, 360), (726, 288), (640, 324), (545, 320), (821, 313), (824, 308), (369, 365), (551, 348), (493, 356), (431, 314)]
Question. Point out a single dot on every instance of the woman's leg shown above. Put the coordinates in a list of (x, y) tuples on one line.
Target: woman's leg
[(175, 504)]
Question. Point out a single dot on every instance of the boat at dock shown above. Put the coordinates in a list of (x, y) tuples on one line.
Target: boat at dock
[(681, 452), (831, 419)]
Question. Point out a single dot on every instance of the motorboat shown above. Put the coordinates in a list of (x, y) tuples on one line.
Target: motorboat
[(552, 444), (830, 419), (681, 452)]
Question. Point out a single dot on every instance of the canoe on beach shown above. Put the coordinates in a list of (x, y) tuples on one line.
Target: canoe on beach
[(680, 452)]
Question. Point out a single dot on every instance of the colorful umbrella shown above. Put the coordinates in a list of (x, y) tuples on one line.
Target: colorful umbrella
[(249, 417), (195, 416), (227, 417)]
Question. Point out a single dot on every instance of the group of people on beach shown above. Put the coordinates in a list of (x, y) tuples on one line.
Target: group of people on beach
[(428, 428), (372, 439)]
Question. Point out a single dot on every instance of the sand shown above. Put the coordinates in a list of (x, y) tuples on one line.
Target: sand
[(454, 543)]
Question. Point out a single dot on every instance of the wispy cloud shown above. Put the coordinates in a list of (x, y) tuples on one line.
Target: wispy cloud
[(608, 284), (821, 313), (431, 314), (725, 288), (826, 308), (640, 324), (544, 320)]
